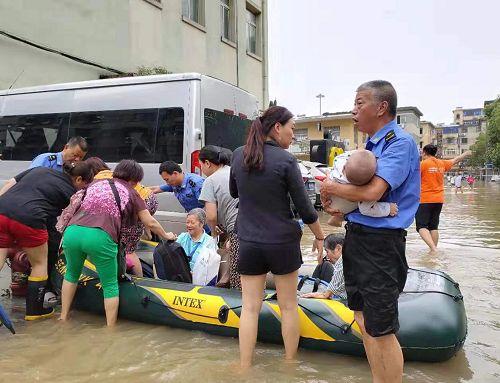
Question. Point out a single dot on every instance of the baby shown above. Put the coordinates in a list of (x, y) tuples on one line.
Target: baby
[(357, 167)]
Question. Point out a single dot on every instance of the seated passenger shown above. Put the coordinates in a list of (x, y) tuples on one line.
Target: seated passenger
[(195, 238), (357, 167), (130, 234), (333, 246)]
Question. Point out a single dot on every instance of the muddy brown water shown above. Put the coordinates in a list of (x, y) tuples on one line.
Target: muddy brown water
[(84, 350)]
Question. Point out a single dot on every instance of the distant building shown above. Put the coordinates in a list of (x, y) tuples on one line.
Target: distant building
[(437, 139), (408, 117), (471, 123), (451, 135), (427, 130), (54, 41), (338, 126)]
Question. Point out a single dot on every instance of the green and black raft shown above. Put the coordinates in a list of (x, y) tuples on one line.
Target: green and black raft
[(433, 324)]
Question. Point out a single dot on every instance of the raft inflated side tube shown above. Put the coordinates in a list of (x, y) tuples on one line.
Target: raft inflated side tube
[(433, 325)]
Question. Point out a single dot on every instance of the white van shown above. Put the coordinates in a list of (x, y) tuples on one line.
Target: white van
[(150, 119)]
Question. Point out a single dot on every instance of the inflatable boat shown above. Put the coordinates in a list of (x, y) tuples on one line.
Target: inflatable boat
[(433, 324)]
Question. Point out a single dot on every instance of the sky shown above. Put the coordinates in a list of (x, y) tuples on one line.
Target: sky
[(438, 54)]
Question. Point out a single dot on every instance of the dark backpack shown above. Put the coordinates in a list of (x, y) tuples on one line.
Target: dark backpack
[(171, 262), (324, 271)]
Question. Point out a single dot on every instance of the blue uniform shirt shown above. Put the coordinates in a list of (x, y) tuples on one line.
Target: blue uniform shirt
[(189, 192), (398, 164), (48, 160)]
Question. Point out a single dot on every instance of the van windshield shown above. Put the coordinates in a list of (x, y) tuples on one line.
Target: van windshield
[(225, 130)]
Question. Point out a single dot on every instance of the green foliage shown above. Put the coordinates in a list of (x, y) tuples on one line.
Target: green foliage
[(478, 157), (148, 71), (487, 147)]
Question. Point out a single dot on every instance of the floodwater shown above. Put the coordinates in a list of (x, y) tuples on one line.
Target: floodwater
[(84, 350)]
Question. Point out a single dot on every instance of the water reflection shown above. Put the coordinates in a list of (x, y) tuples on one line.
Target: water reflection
[(84, 350)]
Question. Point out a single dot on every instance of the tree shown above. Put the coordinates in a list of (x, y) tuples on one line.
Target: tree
[(487, 147)]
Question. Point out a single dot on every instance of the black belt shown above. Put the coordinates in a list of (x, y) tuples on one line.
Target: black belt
[(358, 228)]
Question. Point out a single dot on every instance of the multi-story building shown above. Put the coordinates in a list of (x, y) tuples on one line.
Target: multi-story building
[(472, 123), (437, 139), (338, 126), (427, 130), (408, 117), (54, 41)]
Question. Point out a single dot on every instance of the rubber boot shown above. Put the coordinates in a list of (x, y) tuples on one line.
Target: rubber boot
[(34, 299)]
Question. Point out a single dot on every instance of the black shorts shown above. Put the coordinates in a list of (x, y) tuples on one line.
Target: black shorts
[(375, 270), (260, 258), (427, 216)]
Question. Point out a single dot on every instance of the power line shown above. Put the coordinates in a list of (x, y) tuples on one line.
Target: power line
[(67, 55)]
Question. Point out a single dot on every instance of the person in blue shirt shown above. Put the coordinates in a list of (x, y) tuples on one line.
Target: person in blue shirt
[(375, 266), (195, 238), (74, 150), (185, 186)]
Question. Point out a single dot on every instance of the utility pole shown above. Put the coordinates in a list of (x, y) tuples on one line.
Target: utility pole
[(320, 96)]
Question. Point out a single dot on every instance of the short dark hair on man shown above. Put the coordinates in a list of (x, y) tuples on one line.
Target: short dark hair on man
[(79, 141), (430, 150), (170, 167), (382, 91), (129, 170)]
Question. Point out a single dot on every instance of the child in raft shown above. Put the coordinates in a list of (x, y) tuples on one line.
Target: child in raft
[(333, 247), (357, 167)]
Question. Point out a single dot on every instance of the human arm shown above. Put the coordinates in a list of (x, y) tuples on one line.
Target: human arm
[(372, 191), (207, 196), (152, 224), (7, 186), (233, 187), (461, 157), (161, 189), (10, 183), (378, 209), (211, 211), (318, 295)]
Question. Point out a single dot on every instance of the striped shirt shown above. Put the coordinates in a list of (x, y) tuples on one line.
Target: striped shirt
[(337, 284)]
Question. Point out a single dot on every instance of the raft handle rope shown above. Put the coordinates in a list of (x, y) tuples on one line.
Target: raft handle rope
[(456, 298)]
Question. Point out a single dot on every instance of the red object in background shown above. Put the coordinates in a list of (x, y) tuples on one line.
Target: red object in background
[(320, 178), (21, 269)]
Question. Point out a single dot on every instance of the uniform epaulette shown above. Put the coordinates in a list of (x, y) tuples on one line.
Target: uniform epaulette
[(389, 136), (52, 157)]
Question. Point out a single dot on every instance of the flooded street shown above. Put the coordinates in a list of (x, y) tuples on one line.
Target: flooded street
[(84, 350)]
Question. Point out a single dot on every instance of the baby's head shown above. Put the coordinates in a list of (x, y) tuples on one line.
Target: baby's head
[(360, 167)]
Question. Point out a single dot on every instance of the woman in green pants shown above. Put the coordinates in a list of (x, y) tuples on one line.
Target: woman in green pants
[(94, 231)]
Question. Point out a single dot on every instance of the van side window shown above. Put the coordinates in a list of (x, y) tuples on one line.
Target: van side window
[(170, 136), (225, 130), (24, 137), (118, 134)]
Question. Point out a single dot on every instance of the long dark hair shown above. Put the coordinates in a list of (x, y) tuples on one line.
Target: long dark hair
[(253, 154), (216, 155), (79, 168), (96, 164)]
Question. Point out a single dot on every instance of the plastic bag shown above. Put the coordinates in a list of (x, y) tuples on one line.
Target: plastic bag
[(206, 268)]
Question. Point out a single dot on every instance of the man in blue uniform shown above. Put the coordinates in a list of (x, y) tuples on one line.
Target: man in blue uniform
[(185, 186), (74, 150), (375, 265)]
